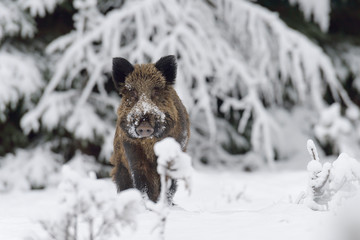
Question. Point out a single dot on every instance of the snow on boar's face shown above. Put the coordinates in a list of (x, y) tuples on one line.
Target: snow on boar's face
[(147, 109)]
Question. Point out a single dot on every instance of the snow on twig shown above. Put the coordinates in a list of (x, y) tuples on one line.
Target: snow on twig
[(173, 164)]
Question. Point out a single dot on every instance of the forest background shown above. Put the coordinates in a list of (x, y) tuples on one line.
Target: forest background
[(258, 78)]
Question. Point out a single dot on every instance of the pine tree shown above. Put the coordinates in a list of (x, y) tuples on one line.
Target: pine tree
[(243, 73)]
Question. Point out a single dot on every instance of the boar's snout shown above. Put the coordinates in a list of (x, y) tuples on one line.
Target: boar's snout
[(144, 130), (145, 119)]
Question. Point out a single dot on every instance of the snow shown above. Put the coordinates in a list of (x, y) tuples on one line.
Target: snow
[(173, 164), (314, 166), (259, 206), (83, 164), (89, 207), (252, 86), (86, 124), (312, 151), (336, 129), (19, 76), (345, 170), (349, 219), (143, 106), (172, 161), (318, 10), (330, 184), (13, 21), (238, 61), (28, 169), (39, 7)]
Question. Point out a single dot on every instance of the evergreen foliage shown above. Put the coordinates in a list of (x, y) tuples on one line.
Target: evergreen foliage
[(248, 72)]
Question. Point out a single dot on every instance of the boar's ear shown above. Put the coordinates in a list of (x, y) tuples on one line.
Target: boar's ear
[(121, 68), (167, 66)]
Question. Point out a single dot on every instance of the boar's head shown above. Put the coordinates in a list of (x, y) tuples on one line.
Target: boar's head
[(147, 109)]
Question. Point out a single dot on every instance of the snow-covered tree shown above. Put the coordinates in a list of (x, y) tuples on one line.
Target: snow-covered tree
[(237, 61), (242, 74), (20, 74)]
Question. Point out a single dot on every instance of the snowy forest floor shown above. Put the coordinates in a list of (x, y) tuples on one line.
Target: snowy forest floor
[(248, 206)]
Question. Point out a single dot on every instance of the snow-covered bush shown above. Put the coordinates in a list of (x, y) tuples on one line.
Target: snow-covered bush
[(83, 164), (88, 209), (39, 168), (29, 169), (330, 183), (338, 130)]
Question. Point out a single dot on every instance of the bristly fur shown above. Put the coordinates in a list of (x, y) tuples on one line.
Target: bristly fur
[(121, 68), (167, 66), (134, 160)]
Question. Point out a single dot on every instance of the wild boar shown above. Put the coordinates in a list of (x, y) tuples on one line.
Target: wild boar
[(150, 110)]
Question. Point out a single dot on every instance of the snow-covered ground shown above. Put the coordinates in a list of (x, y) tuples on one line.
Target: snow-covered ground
[(223, 205)]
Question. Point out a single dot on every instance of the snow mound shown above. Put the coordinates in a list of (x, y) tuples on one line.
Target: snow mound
[(344, 170)]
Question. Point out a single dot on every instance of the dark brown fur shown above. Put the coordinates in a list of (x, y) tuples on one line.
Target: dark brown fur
[(134, 160)]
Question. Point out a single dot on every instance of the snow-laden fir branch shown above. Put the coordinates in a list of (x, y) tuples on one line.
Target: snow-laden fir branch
[(39, 7), (319, 11), (13, 21), (275, 57), (236, 59), (20, 78)]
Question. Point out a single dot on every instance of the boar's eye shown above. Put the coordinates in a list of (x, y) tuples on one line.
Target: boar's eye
[(133, 94), (155, 93)]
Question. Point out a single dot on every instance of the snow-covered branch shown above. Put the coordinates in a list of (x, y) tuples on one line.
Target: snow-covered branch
[(330, 183), (20, 78), (39, 7), (319, 11), (13, 21)]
